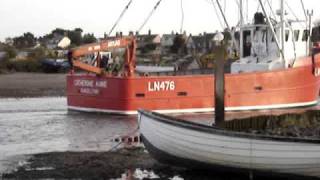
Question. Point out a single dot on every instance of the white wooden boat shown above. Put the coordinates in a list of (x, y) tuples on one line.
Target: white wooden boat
[(182, 143)]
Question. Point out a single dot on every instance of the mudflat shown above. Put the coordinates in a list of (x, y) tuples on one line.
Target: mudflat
[(32, 84)]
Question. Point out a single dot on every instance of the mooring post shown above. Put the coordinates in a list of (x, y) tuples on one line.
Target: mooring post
[(219, 52)]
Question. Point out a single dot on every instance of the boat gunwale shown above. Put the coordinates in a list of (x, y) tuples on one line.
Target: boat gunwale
[(219, 131)]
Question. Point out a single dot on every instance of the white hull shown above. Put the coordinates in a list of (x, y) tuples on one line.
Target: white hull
[(230, 149)]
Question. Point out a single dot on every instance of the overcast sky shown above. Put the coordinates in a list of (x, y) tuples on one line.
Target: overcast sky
[(97, 16)]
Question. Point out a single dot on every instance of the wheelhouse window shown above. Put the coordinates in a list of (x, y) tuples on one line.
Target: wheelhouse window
[(296, 35), (287, 33), (305, 35)]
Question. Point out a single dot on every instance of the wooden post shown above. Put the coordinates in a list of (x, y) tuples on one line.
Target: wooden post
[(219, 53)]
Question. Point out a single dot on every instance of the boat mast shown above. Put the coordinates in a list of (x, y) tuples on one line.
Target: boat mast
[(241, 25), (282, 29)]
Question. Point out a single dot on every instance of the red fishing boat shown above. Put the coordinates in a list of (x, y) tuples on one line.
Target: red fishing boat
[(275, 70)]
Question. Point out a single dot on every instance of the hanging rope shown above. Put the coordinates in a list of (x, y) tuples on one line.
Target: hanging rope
[(182, 18), (150, 14), (120, 17)]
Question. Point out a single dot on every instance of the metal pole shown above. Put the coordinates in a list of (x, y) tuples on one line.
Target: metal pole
[(219, 84)]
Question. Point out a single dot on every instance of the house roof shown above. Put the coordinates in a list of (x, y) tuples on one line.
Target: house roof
[(168, 36), (146, 38), (203, 39)]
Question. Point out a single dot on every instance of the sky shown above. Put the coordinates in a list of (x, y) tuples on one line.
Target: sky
[(40, 17)]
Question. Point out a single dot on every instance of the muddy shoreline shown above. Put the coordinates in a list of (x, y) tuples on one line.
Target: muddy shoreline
[(17, 85), (124, 163)]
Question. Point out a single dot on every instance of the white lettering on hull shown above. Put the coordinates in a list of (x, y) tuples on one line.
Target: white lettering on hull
[(90, 83), (90, 87), (161, 86), (83, 83), (89, 91), (101, 84)]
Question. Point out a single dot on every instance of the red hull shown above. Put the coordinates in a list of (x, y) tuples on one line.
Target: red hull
[(261, 90)]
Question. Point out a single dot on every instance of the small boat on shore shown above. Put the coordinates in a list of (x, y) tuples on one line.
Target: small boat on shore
[(182, 143)]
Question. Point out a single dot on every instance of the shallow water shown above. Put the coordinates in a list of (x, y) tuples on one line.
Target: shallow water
[(37, 125)]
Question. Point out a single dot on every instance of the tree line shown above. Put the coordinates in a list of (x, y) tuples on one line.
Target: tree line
[(28, 40)]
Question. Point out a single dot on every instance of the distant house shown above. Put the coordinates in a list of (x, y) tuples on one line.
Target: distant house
[(58, 41), (22, 55), (203, 43), (167, 40), (148, 43), (190, 45), (148, 46), (149, 39)]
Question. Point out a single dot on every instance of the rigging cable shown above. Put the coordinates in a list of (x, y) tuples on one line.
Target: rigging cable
[(150, 14), (223, 15), (217, 14), (182, 18), (258, 8), (120, 17), (271, 10), (292, 12), (304, 10)]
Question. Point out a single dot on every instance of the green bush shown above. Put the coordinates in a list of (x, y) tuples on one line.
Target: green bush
[(11, 51), (4, 63), (29, 65)]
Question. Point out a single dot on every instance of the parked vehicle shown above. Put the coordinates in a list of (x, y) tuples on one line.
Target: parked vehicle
[(55, 65)]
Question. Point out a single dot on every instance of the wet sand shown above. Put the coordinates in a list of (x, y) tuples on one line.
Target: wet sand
[(32, 84)]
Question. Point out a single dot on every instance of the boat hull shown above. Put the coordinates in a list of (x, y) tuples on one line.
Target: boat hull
[(293, 87), (187, 144)]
